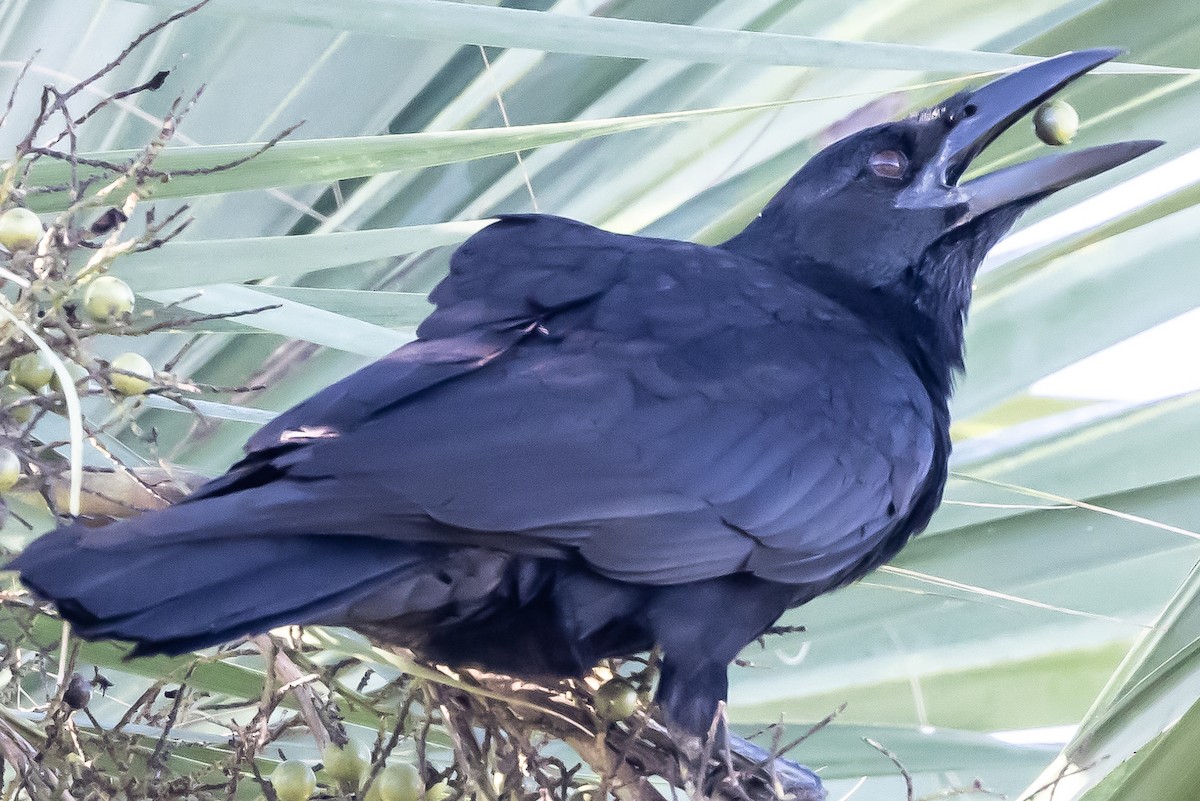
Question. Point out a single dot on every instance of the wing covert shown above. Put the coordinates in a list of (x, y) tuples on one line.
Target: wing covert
[(501, 281), (669, 412)]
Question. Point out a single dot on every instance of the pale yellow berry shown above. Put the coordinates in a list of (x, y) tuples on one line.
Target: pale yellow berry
[(1055, 122), (400, 782), (142, 374), (107, 298), (20, 229), (439, 791), (293, 781), (10, 469), (347, 764)]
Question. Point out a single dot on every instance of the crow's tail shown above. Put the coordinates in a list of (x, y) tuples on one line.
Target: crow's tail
[(160, 583)]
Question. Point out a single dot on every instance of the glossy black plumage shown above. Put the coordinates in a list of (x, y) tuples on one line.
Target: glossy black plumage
[(602, 442)]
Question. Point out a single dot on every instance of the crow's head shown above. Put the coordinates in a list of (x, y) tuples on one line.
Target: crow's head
[(884, 210), (874, 202)]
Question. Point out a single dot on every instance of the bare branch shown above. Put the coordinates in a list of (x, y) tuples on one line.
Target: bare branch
[(12, 96), (129, 48), (229, 165), (908, 780)]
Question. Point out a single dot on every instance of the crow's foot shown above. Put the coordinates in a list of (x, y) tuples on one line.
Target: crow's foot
[(756, 770)]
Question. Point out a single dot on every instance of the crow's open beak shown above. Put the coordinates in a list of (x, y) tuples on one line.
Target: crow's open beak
[(984, 114)]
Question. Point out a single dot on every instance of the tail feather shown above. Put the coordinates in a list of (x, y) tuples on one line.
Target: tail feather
[(172, 596)]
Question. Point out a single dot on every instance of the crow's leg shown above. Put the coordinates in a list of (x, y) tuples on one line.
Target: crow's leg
[(701, 628)]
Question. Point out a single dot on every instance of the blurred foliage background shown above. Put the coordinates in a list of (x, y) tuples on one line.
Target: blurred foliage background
[(1028, 604)]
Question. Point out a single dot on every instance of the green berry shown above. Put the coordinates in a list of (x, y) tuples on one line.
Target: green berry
[(293, 781), (10, 469), (107, 298), (32, 370), (20, 229), (77, 372), (136, 384), (439, 792), (616, 699), (347, 764), (10, 396), (1055, 122), (400, 782)]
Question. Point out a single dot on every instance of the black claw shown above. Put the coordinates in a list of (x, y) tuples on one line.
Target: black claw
[(796, 781)]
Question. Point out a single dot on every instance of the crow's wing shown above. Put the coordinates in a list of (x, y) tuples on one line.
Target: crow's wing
[(670, 412)]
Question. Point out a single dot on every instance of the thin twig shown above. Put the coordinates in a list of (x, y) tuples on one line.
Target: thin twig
[(908, 780), (487, 66), (133, 45), (229, 165), (12, 95), (183, 322)]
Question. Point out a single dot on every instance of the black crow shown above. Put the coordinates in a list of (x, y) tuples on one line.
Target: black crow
[(601, 443)]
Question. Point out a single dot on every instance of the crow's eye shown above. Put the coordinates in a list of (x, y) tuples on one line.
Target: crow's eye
[(888, 163)]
